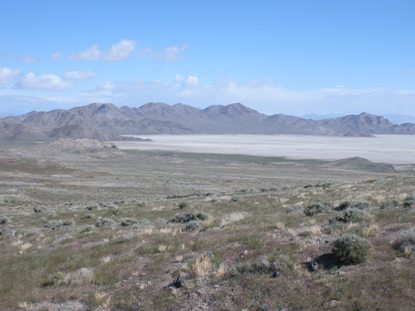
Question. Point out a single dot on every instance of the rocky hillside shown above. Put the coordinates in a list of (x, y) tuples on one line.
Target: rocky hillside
[(107, 121)]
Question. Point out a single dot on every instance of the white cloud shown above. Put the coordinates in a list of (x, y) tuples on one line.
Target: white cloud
[(8, 75), (49, 82), (91, 53), (107, 86), (57, 55), (120, 51), (171, 53), (125, 49), (27, 59), (187, 80), (79, 75), (19, 57), (117, 52)]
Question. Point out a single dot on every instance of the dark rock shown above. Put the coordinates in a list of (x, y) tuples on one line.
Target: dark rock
[(313, 266), (234, 199), (61, 224), (37, 210), (90, 207), (105, 222), (125, 222), (183, 205), (275, 274), (177, 283), (264, 307)]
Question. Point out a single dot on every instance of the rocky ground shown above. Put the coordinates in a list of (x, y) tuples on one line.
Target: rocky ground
[(103, 229)]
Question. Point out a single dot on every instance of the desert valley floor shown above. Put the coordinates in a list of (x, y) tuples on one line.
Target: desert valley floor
[(86, 226), (395, 149)]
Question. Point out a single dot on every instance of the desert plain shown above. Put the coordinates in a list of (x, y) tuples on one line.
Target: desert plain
[(208, 223)]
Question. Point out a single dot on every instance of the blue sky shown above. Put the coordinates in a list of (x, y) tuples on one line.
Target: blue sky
[(296, 57)]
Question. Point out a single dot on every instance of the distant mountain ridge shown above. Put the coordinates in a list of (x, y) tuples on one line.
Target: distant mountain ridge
[(108, 122)]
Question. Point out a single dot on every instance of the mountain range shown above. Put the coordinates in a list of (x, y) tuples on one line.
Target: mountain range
[(108, 122)]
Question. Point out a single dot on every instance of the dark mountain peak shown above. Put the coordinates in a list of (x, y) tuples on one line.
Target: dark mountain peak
[(183, 105), (241, 109), (363, 124), (284, 117), (106, 108), (157, 109), (187, 109), (94, 111), (365, 118), (231, 110), (154, 105), (362, 116), (91, 107)]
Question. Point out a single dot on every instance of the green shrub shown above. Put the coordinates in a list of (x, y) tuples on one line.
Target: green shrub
[(191, 226), (389, 204), (317, 208), (351, 249), (59, 224), (347, 204), (54, 279), (349, 215), (183, 205), (185, 218), (409, 202), (267, 264), (405, 246), (202, 216)]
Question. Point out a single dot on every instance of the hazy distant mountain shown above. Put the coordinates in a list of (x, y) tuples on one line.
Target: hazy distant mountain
[(400, 118), (394, 118), (107, 121), (317, 116)]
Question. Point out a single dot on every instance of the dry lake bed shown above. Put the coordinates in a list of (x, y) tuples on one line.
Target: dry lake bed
[(394, 149)]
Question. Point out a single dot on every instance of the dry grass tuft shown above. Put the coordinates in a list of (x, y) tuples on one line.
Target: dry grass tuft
[(202, 265), (79, 277), (370, 230), (162, 248), (221, 271), (103, 300), (233, 217)]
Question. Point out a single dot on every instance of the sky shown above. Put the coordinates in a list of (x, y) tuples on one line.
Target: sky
[(295, 57)]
